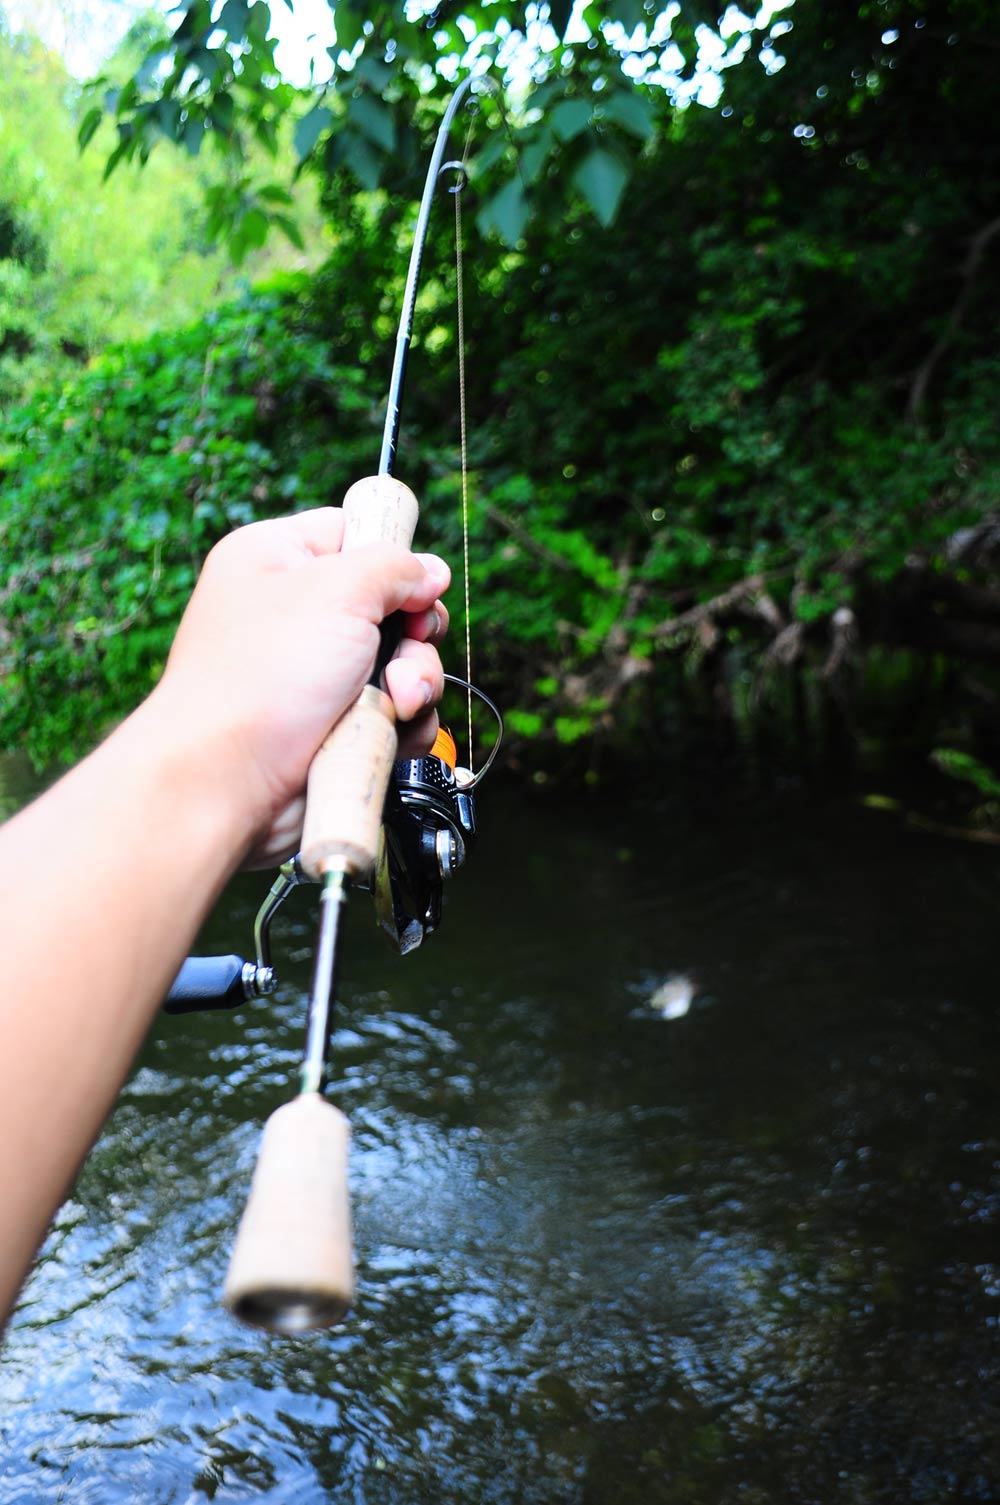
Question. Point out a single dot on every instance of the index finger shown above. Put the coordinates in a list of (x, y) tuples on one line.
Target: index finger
[(376, 579)]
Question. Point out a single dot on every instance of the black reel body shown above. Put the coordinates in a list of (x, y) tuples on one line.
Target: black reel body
[(428, 830)]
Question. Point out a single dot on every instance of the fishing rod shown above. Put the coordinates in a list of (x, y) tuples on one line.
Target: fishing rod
[(397, 827)]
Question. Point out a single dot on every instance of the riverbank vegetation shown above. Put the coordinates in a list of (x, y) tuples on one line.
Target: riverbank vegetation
[(732, 378)]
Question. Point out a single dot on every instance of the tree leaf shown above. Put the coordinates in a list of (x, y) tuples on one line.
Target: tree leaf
[(222, 112), (197, 17), (631, 13), (309, 129), (167, 115), (273, 193), (494, 148), (362, 159), (266, 132), (682, 34), (252, 228), (631, 111), (128, 96), (601, 178), (258, 23), (506, 213), (291, 229), (569, 117), (233, 19), (349, 22), (150, 66), (372, 71), (194, 134), (114, 158), (88, 125), (559, 14), (534, 156), (373, 120)]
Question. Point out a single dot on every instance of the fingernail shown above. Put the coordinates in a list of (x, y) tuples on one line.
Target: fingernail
[(437, 570), (435, 625), (428, 690)]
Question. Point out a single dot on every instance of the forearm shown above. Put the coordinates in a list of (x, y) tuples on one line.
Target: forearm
[(107, 878)]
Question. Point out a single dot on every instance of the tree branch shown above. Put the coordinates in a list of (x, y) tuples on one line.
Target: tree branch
[(523, 536), (921, 381), (706, 611)]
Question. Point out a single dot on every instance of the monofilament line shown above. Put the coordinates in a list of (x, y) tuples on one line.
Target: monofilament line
[(460, 298)]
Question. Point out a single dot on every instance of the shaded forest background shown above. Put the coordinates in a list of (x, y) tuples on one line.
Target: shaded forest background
[(731, 338)]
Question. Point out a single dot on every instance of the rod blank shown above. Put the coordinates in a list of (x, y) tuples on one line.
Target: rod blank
[(292, 1266)]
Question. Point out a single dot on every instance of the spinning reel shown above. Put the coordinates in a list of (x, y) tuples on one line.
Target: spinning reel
[(428, 831)]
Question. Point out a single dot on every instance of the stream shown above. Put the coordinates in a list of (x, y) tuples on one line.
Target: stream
[(746, 1254)]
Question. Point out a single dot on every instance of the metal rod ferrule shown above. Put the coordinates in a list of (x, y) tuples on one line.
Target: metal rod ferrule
[(312, 1073)]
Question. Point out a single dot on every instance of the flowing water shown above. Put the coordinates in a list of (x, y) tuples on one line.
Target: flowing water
[(746, 1254)]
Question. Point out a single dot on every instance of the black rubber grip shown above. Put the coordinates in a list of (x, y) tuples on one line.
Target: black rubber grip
[(207, 982)]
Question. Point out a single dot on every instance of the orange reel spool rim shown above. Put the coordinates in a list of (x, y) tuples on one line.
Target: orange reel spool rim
[(445, 748)]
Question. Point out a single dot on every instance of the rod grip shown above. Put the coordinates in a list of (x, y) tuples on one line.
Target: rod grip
[(345, 794), (350, 773), (292, 1266), (379, 509)]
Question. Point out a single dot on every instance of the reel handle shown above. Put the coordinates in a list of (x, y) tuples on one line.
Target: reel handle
[(209, 982), (350, 773)]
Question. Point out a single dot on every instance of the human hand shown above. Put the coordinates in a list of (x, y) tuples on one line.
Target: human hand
[(278, 640)]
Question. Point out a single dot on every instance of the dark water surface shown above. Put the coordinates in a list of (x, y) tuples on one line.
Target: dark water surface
[(747, 1255)]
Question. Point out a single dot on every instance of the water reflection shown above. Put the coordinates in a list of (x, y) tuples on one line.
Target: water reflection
[(744, 1254)]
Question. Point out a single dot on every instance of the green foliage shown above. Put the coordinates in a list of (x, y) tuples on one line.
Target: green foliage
[(968, 770), (756, 389), (84, 263), (584, 99), (115, 487), (79, 266)]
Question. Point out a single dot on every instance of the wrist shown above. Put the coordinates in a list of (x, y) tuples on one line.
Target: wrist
[(198, 775)]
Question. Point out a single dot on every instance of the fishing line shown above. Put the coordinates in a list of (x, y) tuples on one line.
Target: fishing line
[(457, 191), (460, 168)]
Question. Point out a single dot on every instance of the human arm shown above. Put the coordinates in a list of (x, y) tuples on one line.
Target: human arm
[(107, 877)]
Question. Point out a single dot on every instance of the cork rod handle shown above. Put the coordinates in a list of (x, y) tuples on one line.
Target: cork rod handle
[(292, 1268), (350, 772)]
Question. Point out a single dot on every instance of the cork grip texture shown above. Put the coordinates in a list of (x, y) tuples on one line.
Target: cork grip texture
[(350, 773), (379, 509), (346, 789), (292, 1268)]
